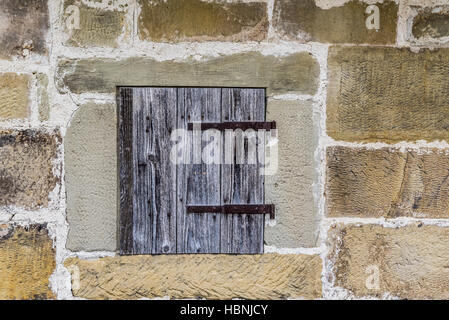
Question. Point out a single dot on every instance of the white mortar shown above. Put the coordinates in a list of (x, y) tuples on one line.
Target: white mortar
[(63, 106)]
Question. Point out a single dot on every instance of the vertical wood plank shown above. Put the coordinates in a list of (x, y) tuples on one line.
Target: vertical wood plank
[(163, 120), (154, 217), (142, 231), (242, 183), (198, 183), (125, 124)]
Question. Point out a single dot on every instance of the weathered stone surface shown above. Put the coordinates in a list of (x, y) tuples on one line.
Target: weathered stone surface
[(196, 20), (387, 94), (411, 260), (290, 189), (268, 276), (296, 73), (424, 3), (305, 20), (42, 94), (27, 260), (431, 24), (97, 27), (26, 167), (388, 183), (23, 26), (14, 91), (91, 178)]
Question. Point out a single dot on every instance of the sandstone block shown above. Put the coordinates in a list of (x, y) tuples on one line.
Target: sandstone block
[(268, 276)]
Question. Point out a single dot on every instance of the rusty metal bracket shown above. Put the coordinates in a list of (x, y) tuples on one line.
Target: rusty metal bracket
[(256, 125), (235, 209)]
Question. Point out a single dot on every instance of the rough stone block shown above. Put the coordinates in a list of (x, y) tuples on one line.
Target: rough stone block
[(42, 96), (27, 167), (387, 94), (268, 276), (387, 183), (431, 24), (424, 3), (295, 73), (97, 26), (290, 189), (23, 27), (91, 178), (27, 260), (408, 262), (196, 20), (14, 92), (346, 23)]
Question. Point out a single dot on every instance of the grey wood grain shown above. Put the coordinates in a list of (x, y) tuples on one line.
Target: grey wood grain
[(142, 231), (198, 182), (242, 183), (154, 191), (154, 217), (125, 98)]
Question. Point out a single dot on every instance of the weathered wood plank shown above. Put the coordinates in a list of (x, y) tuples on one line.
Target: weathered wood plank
[(154, 217), (242, 183), (125, 102), (163, 118), (199, 182), (142, 224)]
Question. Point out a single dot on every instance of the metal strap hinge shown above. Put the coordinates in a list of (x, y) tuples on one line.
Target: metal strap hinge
[(235, 209), (256, 125)]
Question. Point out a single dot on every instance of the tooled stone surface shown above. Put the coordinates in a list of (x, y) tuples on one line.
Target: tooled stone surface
[(27, 260), (196, 20), (305, 20), (387, 94), (268, 276), (26, 167), (295, 73), (23, 25), (387, 183), (43, 97), (97, 27), (91, 178), (14, 91), (411, 261), (291, 187)]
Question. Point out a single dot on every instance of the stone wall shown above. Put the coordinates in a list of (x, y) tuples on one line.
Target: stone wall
[(360, 94)]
